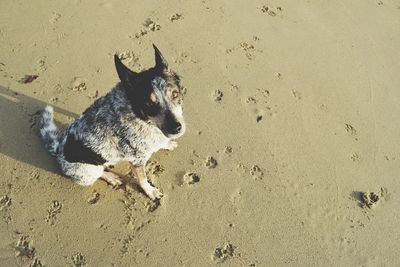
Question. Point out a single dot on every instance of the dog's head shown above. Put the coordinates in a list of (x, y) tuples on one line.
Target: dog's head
[(155, 95)]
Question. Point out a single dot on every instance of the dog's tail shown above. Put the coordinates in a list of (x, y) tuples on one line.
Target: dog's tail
[(49, 131)]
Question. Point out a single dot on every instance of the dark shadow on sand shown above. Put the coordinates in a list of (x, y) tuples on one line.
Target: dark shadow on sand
[(19, 135)]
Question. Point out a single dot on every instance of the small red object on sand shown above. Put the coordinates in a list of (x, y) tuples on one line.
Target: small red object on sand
[(29, 78)]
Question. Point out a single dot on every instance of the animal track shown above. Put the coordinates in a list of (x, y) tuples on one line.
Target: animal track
[(126, 243), (256, 172), (355, 157), (130, 58), (78, 260), (176, 16), (94, 198), (221, 254), (350, 129), (139, 34), (154, 168), (41, 65), (251, 100), (248, 49), (191, 178), (152, 25), (53, 211), (217, 95), (211, 162), (93, 95), (268, 10), (370, 199), (153, 205), (228, 150), (296, 94), (5, 202), (55, 17), (78, 84)]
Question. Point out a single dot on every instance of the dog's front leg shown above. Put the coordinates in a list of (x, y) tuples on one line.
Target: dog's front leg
[(140, 173)]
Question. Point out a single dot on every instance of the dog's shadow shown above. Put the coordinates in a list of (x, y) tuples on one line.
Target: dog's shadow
[(19, 136)]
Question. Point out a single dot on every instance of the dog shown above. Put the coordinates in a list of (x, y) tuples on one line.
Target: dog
[(139, 116)]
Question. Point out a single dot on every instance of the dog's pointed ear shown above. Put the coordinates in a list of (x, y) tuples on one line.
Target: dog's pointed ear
[(161, 63), (124, 73)]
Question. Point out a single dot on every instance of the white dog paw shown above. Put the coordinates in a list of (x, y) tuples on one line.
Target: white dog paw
[(152, 192)]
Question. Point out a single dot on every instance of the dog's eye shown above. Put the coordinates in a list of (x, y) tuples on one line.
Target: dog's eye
[(175, 94)]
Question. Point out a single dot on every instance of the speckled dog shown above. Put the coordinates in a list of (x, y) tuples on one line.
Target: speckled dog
[(139, 116)]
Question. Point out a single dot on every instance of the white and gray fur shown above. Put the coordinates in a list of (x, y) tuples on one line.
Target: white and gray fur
[(139, 116)]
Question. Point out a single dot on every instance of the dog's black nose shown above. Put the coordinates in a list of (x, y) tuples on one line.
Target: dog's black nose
[(176, 128)]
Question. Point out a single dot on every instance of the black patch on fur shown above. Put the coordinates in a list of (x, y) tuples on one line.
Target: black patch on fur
[(138, 92), (76, 151)]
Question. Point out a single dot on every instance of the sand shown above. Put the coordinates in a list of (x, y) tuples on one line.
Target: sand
[(292, 112)]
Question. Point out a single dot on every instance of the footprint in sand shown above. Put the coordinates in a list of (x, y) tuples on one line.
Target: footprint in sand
[(221, 254), (152, 206), (41, 65), (370, 199), (217, 96), (228, 150), (296, 94), (211, 162), (389, 158), (94, 198), (139, 34), (176, 16), (256, 172), (243, 169), (154, 168), (55, 17), (248, 49), (191, 178), (152, 25), (78, 84), (355, 157), (53, 211), (129, 58), (53, 99), (350, 129), (251, 100), (270, 11), (78, 260), (5, 202), (92, 95)]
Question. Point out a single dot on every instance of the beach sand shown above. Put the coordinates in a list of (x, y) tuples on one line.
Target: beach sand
[(292, 109)]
